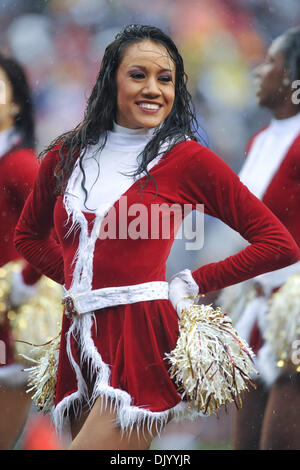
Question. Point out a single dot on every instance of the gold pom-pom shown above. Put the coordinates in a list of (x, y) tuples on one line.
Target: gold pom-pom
[(211, 364), (38, 320), (35, 322), (6, 273), (36, 331), (43, 376), (283, 324)]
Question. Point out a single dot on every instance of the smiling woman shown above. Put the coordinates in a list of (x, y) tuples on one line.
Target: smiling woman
[(136, 142), (145, 83)]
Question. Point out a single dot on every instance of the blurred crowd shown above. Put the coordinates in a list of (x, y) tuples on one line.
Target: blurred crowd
[(61, 42)]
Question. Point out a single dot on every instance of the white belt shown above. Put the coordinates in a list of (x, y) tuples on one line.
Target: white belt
[(89, 301)]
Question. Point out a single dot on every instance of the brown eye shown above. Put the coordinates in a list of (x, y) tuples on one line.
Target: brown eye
[(137, 75), (165, 78)]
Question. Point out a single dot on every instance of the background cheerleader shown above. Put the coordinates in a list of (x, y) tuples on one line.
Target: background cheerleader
[(18, 168), (270, 416)]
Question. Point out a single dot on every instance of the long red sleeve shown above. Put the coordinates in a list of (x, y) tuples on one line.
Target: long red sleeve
[(33, 233), (207, 179)]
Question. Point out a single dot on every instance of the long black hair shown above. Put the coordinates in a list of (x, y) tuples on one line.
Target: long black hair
[(101, 109), (24, 119)]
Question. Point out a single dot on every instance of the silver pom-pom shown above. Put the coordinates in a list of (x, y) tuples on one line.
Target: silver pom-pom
[(211, 364)]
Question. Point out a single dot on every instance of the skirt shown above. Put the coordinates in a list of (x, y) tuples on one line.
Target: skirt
[(118, 353)]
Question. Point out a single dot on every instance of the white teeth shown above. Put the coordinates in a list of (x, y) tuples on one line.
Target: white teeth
[(148, 105)]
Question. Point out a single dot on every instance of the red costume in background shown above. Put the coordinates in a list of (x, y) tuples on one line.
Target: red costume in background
[(272, 172), (18, 169)]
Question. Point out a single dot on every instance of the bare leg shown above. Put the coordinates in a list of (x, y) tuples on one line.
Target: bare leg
[(281, 427), (247, 422), (99, 432), (77, 423), (14, 408)]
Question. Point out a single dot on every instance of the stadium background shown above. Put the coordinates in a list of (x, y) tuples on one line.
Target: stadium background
[(61, 42)]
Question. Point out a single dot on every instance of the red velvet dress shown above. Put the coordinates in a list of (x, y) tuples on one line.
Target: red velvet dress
[(119, 351), (18, 169)]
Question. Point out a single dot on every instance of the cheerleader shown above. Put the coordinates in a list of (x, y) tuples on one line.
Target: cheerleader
[(134, 148), (270, 416), (18, 169)]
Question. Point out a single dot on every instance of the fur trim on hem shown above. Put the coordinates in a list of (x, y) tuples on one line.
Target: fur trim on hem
[(128, 416)]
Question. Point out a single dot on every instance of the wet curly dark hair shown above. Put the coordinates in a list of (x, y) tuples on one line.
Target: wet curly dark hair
[(101, 108)]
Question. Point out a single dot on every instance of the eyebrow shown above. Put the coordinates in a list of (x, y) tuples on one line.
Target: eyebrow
[(144, 68)]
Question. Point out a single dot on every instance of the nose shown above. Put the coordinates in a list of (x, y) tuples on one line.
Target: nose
[(151, 87)]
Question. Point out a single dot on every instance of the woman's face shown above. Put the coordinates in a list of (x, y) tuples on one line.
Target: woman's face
[(270, 75), (146, 85), (8, 109)]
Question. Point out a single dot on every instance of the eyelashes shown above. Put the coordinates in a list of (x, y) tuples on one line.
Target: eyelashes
[(166, 78), (141, 76), (137, 75)]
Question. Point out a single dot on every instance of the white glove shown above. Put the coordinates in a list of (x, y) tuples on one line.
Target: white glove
[(20, 292), (182, 285)]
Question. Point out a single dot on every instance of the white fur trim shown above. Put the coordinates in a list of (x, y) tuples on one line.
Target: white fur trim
[(116, 162), (128, 416)]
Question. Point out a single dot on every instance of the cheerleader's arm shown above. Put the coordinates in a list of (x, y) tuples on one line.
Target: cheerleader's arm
[(34, 232), (208, 180)]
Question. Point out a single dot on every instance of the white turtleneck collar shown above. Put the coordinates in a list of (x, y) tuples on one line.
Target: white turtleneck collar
[(283, 125), (127, 131), (121, 137), (109, 172)]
